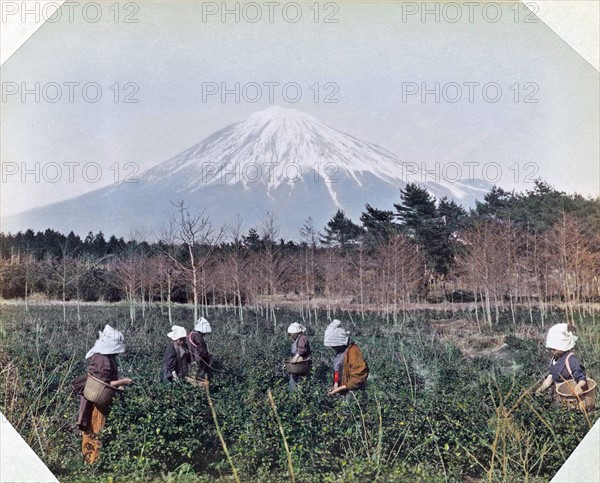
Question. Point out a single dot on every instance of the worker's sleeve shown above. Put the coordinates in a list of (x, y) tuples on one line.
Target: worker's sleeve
[(170, 359), (303, 348), (358, 370), (577, 368), (201, 348)]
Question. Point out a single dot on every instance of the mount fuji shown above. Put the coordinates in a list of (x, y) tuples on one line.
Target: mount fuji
[(279, 160)]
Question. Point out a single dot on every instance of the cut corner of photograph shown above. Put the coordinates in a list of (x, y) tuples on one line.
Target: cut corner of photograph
[(583, 465), (305, 241), (18, 462)]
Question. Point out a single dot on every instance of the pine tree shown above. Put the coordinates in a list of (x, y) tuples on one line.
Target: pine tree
[(433, 228), (252, 239), (341, 231), (378, 225), (536, 210), (417, 213), (496, 205)]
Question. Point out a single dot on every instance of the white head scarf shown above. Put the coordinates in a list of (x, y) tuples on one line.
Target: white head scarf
[(110, 341), (177, 332), (296, 328), (335, 335), (560, 338), (203, 326)]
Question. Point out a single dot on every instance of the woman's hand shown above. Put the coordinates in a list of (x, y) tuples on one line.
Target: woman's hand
[(334, 390), (545, 385), (578, 389), (126, 381)]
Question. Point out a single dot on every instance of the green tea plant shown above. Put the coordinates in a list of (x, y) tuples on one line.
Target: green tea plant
[(429, 413)]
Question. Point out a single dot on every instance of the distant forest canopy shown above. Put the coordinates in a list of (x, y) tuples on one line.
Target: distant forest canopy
[(534, 210), (540, 244)]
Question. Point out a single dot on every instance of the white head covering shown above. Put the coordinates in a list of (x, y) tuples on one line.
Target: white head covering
[(203, 326), (335, 335), (560, 338), (296, 328), (177, 332), (110, 341)]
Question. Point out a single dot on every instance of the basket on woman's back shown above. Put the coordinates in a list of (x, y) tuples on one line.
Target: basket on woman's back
[(99, 392)]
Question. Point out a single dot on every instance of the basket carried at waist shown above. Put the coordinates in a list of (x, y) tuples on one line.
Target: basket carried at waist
[(583, 402), (299, 368), (99, 392)]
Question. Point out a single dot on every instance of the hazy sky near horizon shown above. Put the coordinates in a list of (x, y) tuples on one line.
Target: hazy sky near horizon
[(373, 55)]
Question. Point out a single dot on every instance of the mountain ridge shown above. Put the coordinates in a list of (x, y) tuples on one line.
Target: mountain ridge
[(278, 159)]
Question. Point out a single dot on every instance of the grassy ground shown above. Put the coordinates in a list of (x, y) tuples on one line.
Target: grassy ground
[(447, 400)]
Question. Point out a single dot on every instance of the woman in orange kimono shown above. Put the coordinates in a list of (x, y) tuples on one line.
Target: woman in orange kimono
[(350, 370)]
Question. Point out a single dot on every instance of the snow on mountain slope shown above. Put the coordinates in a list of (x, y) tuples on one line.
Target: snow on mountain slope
[(282, 145), (281, 160)]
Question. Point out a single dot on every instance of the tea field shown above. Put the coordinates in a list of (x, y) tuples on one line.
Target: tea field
[(446, 400)]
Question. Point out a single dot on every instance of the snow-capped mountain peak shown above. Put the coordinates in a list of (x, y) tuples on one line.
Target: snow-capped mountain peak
[(280, 113), (285, 145), (279, 160)]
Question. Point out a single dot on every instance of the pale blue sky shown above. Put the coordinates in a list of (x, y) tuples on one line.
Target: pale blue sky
[(369, 54)]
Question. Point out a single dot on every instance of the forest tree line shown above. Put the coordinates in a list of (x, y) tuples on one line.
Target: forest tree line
[(536, 247)]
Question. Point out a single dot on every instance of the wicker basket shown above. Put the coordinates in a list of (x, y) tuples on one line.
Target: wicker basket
[(583, 402), (99, 392), (299, 368)]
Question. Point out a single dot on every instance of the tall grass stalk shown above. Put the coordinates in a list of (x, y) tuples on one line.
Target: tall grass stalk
[(511, 439), (223, 443), (282, 432)]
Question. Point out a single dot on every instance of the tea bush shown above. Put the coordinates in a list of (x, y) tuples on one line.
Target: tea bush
[(428, 414)]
